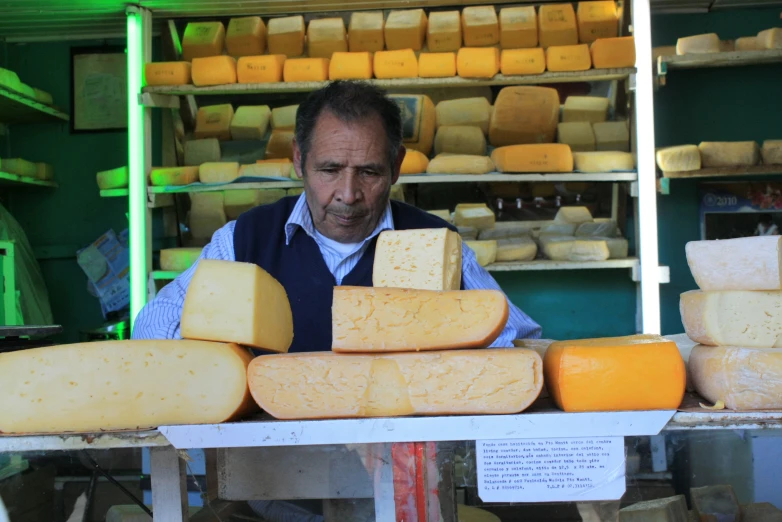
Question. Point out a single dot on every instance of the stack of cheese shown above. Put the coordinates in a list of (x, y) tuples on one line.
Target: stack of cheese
[(736, 316), (209, 211), (27, 169), (718, 154), (576, 236), (711, 43), (584, 127), (10, 80)]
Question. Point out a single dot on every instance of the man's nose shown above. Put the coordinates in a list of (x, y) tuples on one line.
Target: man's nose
[(349, 188)]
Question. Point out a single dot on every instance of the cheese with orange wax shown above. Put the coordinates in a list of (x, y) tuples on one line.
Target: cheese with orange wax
[(214, 70), (610, 53), (306, 70), (414, 163), (478, 62), (260, 69), (167, 73), (523, 61), (350, 66), (245, 36), (437, 65)]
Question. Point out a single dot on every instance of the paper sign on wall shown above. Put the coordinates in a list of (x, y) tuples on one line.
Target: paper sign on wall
[(551, 470)]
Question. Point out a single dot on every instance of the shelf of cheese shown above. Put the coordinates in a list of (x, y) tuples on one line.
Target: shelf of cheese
[(717, 60), (721, 172), (18, 108), (7, 179)]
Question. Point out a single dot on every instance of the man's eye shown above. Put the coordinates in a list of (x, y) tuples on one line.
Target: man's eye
[(370, 173)]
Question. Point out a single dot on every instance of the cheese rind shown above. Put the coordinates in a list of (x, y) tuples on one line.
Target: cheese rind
[(597, 19), (350, 66), (444, 32), (240, 302), (523, 61), (593, 109), (203, 39), (286, 36), (246, 36), (460, 164), (729, 153), (405, 30), (460, 139), (578, 135), (437, 65), (422, 259), (680, 158), (612, 135), (563, 58), (324, 385), (214, 121), (167, 73), (603, 161), (250, 122), (770, 38), (613, 53), (485, 251), (325, 36), (306, 70), (395, 64), (464, 111), (518, 27), (214, 70), (365, 32), (698, 44), (178, 259), (162, 177), (419, 119), (480, 27), (557, 25), (218, 172), (478, 62), (268, 169), (772, 152), (533, 157), (260, 69), (747, 263), (524, 114), (114, 178), (414, 163)]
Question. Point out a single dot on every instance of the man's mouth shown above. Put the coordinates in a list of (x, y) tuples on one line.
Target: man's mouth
[(346, 220)]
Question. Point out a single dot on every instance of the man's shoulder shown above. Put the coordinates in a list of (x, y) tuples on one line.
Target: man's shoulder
[(409, 217)]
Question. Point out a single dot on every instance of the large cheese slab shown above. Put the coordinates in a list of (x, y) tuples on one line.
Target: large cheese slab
[(613, 53), (729, 153), (437, 65), (522, 61), (419, 119), (603, 161), (585, 108), (326, 36), (250, 122), (485, 251), (260, 69), (178, 259), (286, 36), (460, 164), (557, 25), (422, 259), (508, 229), (281, 168), (203, 39), (201, 151), (351, 66), (478, 62), (238, 302), (167, 73), (114, 385), (772, 152), (679, 158), (246, 36), (612, 135), (518, 27), (533, 157), (402, 320), (464, 111), (214, 121), (770, 38), (306, 70), (578, 135), (280, 145), (478, 216), (460, 139), (365, 32), (405, 29), (564, 58), (524, 114), (400, 63), (284, 118), (698, 44), (575, 215), (516, 249), (748, 43), (480, 27), (637, 372), (218, 172), (214, 70), (597, 19), (444, 32), (747, 263), (326, 385)]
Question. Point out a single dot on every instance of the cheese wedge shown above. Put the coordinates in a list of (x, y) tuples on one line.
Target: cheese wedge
[(578, 135), (568, 58), (680, 158), (203, 39), (444, 32), (405, 30), (403, 320), (437, 65), (325, 36), (280, 145), (218, 172), (214, 121), (350, 66), (729, 153), (643, 372), (748, 43), (698, 44), (613, 53), (284, 118), (518, 27), (770, 38), (365, 32), (478, 62), (516, 249), (597, 20), (464, 111), (593, 109), (524, 115), (460, 164), (178, 259), (236, 202), (480, 27), (564, 248), (237, 301), (306, 70), (115, 385), (603, 161), (485, 251), (114, 178), (747, 263), (414, 163), (612, 135), (167, 73), (478, 216), (460, 139), (395, 64), (543, 157), (772, 152), (419, 119), (250, 122), (423, 259), (325, 385), (557, 25), (522, 61), (286, 36), (260, 69), (168, 176), (207, 214), (245, 37), (214, 70)]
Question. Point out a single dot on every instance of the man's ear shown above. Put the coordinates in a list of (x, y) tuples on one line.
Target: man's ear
[(400, 157), (297, 160)]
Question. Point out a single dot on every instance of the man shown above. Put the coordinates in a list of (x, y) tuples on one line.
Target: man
[(348, 151)]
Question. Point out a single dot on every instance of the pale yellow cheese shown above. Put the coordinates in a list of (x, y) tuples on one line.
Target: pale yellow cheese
[(405, 30), (460, 139), (518, 27), (419, 119), (207, 214), (422, 259), (112, 179), (596, 228), (516, 249), (414, 163), (593, 109), (268, 169), (729, 153), (576, 134), (617, 246), (772, 152), (485, 251), (473, 216), (284, 118), (597, 19), (557, 25), (201, 151), (464, 111), (507, 230), (365, 32), (558, 229), (698, 44), (115, 385), (524, 114), (612, 135), (280, 145), (563, 248), (245, 36), (748, 43), (214, 70), (468, 233), (325, 385), (444, 32), (351, 66), (237, 202), (250, 122), (437, 65), (460, 164), (325, 36), (575, 215), (203, 39), (286, 36), (746, 263), (218, 172), (478, 62), (214, 121), (565, 58), (178, 259), (533, 157), (522, 61), (680, 158), (240, 302), (168, 176), (770, 38), (480, 27), (603, 161), (442, 214)]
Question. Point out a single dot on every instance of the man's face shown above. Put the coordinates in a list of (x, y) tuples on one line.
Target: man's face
[(347, 177)]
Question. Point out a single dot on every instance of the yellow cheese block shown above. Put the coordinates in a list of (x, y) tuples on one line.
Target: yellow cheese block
[(245, 37), (464, 111), (326, 385), (115, 385), (480, 26), (423, 259), (516, 249), (201, 151), (168, 176), (523, 61), (284, 118), (568, 58), (240, 302), (112, 179), (698, 44), (325, 36), (286, 36), (306, 70), (578, 135), (772, 152), (585, 108), (214, 70), (395, 64), (218, 172), (573, 215), (414, 163), (203, 39), (524, 115), (236, 202), (207, 214), (250, 122), (276, 168), (748, 43), (478, 62), (214, 121), (557, 25), (365, 32), (770, 38), (533, 157), (485, 251), (460, 164), (280, 145), (367, 319), (444, 32), (613, 53), (641, 372), (612, 135), (569, 248), (167, 73), (603, 161), (679, 158), (476, 216), (597, 19), (419, 119), (437, 65), (746, 263), (405, 30), (729, 153), (178, 259), (509, 229), (518, 27), (260, 69), (350, 66), (460, 139)]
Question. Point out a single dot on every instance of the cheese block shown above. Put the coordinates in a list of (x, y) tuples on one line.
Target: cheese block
[(748, 43), (284, 118), (562, 58), (168, 176), (9, 79), (280, 145), (414, 163), (201, 151), (207, 214), (214, 121), (325, 36), (557, 25), (326, 385), (507, 230), (480, 27), (770, 38), (524, 114), (578, 135), (218, 172), (593, 109), (18, 166), (516, 249), (468, 233), (167, 73), (533, 157), (286, 36), (464, 111), (178, 259), (522, 61), (245, 36), (236, 202), (240, 302), (365, 32), (442, 214), (518, 27), (306, 70), (672, 509), (460, 164), (214, 70), (603, 161), (444, 32), (612, 135), (405, 30), (596, 228), (395, 64), (698, 44), (597, 20), (617, 246), (369, 319), (478, 216), (203, 39), (44, 171), (485, 251), (478, 62), (422, 259), (115, 385), (46, 98), (419, 119), (665, 50), (639, 372), (112, 179), (27, 90), (772, 152), (613, 53), (260, 69), (558, 230), (350, 66), (460, 139), (716, 502), (729, 153), (250, 122), (747, 263), (268, 169), (563, 248), (575, 215), (437, 65), (680, 158)]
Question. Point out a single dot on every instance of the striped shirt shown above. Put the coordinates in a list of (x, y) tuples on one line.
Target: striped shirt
[(160, 317)]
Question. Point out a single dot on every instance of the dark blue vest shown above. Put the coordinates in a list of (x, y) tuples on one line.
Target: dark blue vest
[(259, 238)]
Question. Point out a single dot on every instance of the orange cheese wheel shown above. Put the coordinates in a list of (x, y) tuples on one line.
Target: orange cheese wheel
[(306, 70), (523, 61), (167, 73), (214, 70), (350, 66), (414, 163), (611, 53), (396, 64), (478, 62), (637, 372), (437, 65), (563, 58), (260, 69)]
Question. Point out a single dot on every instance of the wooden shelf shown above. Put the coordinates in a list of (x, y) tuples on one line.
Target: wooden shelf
[(12, 180), (18, 108), (547, 264)]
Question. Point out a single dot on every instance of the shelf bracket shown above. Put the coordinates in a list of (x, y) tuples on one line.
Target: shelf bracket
[(663, 274)]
